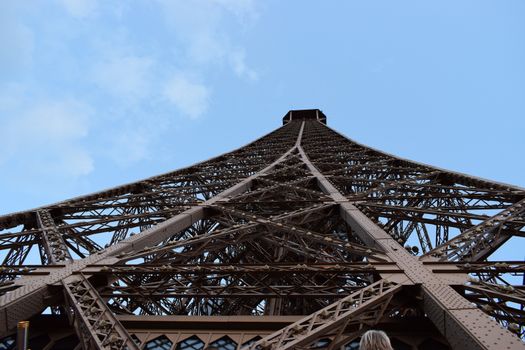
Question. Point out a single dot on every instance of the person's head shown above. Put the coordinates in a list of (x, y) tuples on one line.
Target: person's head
[(375, 340)]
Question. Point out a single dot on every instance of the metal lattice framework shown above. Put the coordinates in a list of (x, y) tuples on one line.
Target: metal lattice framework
[(303, 239)]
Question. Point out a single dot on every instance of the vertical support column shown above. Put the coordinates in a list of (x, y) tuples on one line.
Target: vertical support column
[(22, 336)]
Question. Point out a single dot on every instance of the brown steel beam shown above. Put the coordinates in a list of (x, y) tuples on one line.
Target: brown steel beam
[(481, 240), (96, 325), (445, 307), (54, 244), (194, 226), (29, 298), (364, 307)]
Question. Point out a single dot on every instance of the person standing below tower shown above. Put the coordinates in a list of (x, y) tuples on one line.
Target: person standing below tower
[(375, 340)]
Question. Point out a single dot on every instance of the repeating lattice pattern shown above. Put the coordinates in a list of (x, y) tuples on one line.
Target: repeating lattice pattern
[(307, 234)]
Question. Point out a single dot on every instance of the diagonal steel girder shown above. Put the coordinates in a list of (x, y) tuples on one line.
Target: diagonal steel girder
[(54, 244), (457, 319), (479, 241), (31, 296), (451, 313), (334, 318), (96, 325)]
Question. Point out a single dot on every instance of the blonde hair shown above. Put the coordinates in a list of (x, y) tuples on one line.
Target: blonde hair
[(375, 340)]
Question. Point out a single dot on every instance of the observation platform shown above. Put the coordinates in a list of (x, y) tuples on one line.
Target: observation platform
[(304, 114)]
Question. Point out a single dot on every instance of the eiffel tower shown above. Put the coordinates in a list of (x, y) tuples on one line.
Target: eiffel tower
[(302, 239)]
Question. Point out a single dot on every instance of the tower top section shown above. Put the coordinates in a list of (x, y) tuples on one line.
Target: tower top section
[(304, 114)]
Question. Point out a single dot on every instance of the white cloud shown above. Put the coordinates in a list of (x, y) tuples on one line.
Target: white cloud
[(80, 8), (238, 62), (45, 139), (130, 146), (125, 76), (381, 65), (68, 162), (190, 97), (245, 10), (16, 42), (202, 27)]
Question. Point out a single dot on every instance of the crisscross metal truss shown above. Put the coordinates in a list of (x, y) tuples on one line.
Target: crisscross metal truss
[(303, 239)]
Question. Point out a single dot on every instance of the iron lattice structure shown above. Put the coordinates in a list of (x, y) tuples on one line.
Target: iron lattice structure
[(303, 239)]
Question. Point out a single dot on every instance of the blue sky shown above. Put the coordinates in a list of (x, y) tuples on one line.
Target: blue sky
[(98, 93)]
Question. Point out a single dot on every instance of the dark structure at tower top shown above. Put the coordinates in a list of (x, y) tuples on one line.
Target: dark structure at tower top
[(304, 114), (302, 239)]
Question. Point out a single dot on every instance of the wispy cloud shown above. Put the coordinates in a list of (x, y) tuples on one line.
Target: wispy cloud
[(190, 97), (46, 138), (60, 124), (80, 8), (245, 10), (124, 76), (45, 132), (203, 28), (238, 62), (130, 145), (380, 65), (16, 41)]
